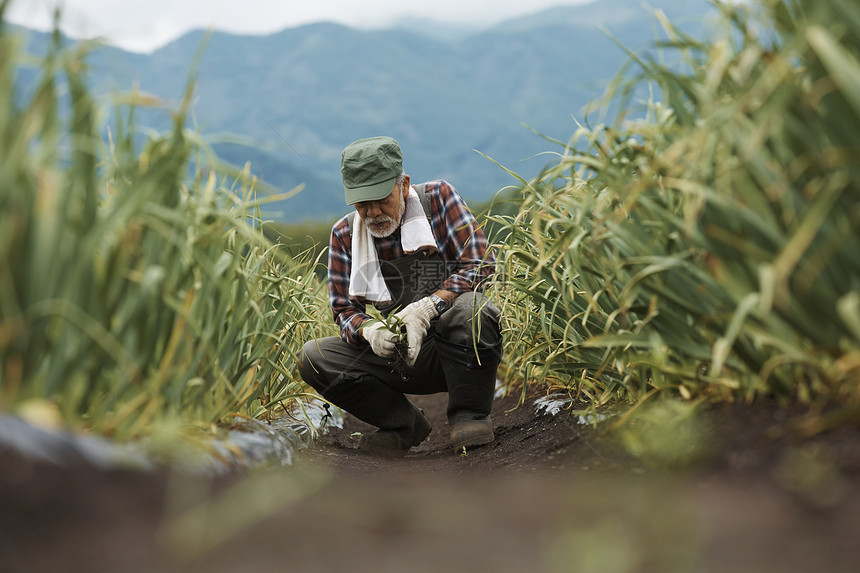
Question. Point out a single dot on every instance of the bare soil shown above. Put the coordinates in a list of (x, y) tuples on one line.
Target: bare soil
[(550, 494)]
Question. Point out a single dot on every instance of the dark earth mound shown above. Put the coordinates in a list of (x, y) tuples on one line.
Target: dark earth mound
[(550, 494)]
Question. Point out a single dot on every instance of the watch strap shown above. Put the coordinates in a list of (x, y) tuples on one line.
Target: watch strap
[(440, 303)]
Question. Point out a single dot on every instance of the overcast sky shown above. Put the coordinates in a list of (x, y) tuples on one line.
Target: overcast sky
[(143, 25)]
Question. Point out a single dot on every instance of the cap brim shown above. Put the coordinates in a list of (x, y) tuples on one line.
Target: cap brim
[(373, 192)]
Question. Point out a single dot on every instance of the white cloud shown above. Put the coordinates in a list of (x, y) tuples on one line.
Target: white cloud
[(143, 25)]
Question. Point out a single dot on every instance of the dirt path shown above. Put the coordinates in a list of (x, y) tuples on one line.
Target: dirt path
[(548, 495)]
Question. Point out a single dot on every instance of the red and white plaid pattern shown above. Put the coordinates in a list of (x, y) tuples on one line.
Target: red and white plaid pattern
[(461, 243)]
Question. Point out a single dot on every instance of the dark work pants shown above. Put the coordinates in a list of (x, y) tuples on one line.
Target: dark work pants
[(460, 356)]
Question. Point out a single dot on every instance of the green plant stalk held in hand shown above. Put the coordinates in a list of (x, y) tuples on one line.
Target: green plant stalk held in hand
[(394, 324)]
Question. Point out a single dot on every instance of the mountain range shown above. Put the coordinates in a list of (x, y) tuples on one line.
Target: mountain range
[(302, 94)]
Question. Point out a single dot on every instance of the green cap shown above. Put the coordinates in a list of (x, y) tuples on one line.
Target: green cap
[(369, 168)]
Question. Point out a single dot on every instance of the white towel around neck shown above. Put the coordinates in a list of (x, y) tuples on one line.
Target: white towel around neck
[(365, 280)]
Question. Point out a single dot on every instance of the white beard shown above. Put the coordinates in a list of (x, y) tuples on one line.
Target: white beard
[(383, 225)]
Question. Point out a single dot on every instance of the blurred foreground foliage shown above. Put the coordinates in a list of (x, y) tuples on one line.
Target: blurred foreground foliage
[(705, 243), (136, 288)]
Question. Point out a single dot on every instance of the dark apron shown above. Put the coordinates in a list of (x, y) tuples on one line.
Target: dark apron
[(412, 277)]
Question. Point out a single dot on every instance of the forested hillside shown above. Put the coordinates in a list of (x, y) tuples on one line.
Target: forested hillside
[(302, 94)]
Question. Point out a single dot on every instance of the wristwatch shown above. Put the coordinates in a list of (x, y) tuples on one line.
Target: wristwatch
[(440, 303)]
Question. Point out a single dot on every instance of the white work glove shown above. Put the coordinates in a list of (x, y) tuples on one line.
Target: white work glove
[(416, 317), (381, 340)]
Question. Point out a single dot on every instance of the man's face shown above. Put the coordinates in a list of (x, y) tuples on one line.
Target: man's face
[(383, 216)]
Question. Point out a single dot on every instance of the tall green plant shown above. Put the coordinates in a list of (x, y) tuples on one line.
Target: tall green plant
[(135, 285), (710, 244)]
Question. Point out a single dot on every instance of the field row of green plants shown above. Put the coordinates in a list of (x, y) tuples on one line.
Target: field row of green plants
[(137, 291), (704, 243), (700, 245)]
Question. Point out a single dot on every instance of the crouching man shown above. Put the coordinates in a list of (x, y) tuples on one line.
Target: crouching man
[(415, 251)]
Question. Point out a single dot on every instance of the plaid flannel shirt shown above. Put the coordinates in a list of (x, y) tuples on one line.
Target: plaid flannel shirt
[(461, 243)]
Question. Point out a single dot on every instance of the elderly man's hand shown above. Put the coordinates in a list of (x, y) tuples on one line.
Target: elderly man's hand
[(416, 317), (381, 340)]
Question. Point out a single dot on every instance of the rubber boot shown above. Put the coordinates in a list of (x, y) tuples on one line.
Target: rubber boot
[(401, 424), (396, 442), (471, 379)]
